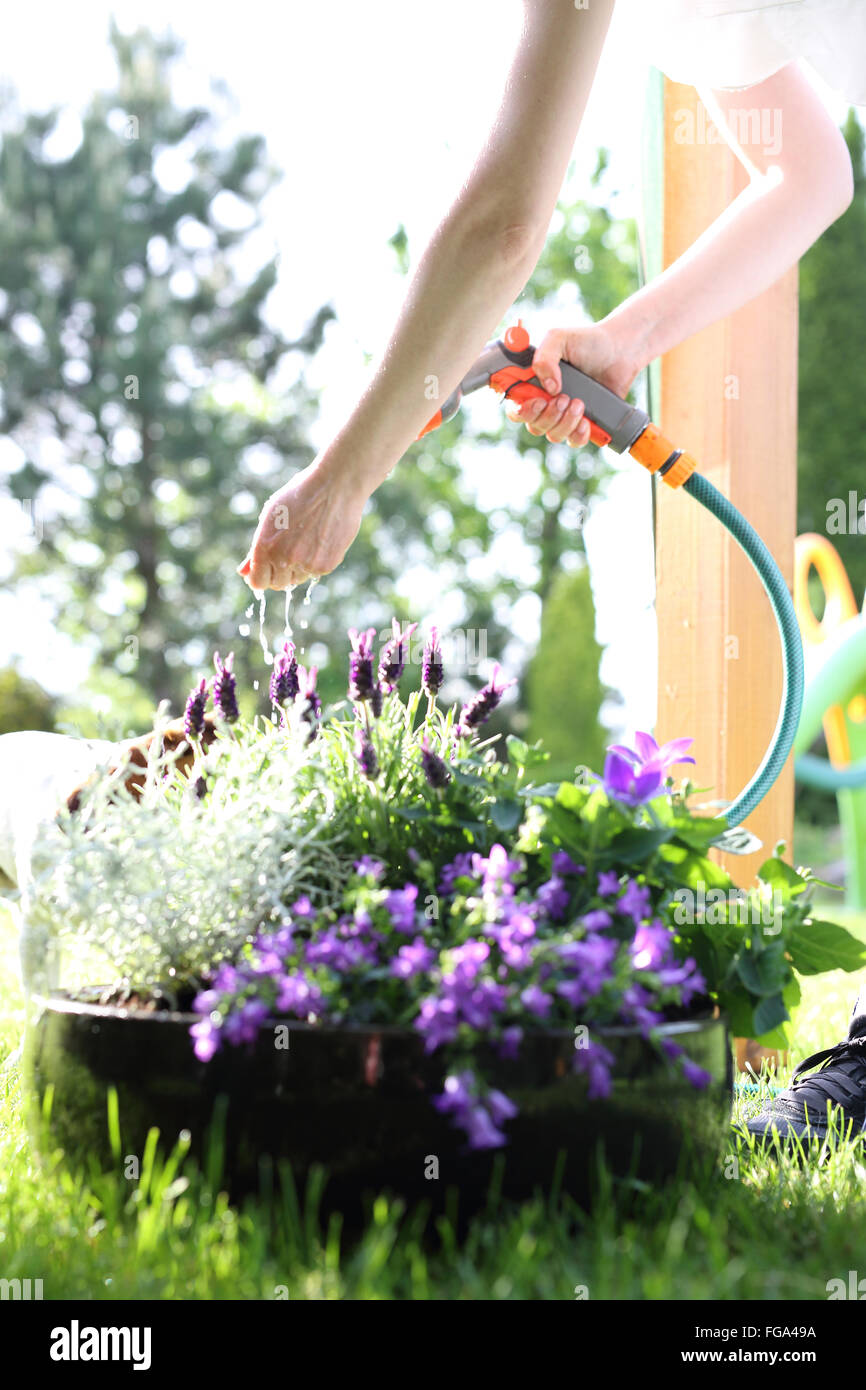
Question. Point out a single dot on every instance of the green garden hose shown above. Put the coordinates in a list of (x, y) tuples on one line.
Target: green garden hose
[(789, 631)]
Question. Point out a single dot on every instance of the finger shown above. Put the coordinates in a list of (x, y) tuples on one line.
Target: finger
[(244, 569), (259, 576), (546, 361), (549, 417), (579, 438), (567, 423)]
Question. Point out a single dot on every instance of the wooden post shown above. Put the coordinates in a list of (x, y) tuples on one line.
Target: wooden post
[(729, 396)]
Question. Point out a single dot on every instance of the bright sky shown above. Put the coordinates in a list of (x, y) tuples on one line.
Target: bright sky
[(374, 112)]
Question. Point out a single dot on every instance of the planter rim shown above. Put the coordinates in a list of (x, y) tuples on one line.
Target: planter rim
[(63, 1003)]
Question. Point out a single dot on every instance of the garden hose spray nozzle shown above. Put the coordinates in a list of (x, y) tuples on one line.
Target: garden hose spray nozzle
[(507, 366)]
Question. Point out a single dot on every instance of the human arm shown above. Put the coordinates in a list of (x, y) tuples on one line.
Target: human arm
[(794, 193), (475, 265)]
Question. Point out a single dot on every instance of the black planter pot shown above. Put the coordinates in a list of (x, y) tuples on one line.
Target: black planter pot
[(358, 1102)]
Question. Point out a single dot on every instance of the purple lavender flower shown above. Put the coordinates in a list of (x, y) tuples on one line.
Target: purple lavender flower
[(193, 718), (435, 769), (392, 660), (432, 670), (284, 677), (361, 679), (225, 695), (412, 960), (312, 704), (482, 705), (365, 754), (377, 701)]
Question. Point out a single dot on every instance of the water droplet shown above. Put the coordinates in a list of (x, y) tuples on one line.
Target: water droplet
[(244, 629), (249, 611), (255, 685), (288, 624), (310, 587), (263, 637)]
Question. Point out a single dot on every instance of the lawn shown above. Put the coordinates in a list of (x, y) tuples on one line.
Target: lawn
[(752, 1228)]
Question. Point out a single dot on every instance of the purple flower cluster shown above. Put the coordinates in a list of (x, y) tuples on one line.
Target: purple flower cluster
[(481, 1114), (225, 696), (481, 706), (285, 684), (193, 717)]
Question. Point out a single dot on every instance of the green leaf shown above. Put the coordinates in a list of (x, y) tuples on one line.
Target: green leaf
[(631, 845), (782, 877), (770, 1013), (764, 972), (506, 815), (818, 946)]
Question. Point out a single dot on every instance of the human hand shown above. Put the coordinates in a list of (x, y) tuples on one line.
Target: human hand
[(305, 528), (594, 349)]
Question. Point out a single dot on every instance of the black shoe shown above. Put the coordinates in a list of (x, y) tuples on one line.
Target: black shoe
[(801, 1111)]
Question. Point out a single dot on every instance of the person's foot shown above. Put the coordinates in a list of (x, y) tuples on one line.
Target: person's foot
[(801, 1111)]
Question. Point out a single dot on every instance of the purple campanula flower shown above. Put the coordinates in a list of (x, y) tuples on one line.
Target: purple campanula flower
[(432, 670), (553, 898), (298, 996), (466, 961), (597, 919), (225, 696), (207, 1001), (498, 871), (608, 884), (671, 1049), (435, 769), (302, 907), (686, 976), (193, 718), (206, 1035), (635, 902), (392, 660), (647, 755), (367, 867), (412, 960), (635, 1008), (400, 903), (227, 979), (361, 679), (536, 1001), (651, 946), (596, 1062), (624, 783), (478, 1003), (437, 1021), (591, 959), (467, 865), (500, 1107), (365, 754), (695, 1075), (563, 863), (509, 1043), (243, 1025), (284, 677), (482, 705)]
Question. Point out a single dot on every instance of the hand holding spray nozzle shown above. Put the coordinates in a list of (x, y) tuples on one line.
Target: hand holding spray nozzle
[(506, 366)]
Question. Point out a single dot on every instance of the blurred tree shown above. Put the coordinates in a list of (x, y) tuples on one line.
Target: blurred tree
[(563, 688), (832, 403), (24, 704), (135, 362)]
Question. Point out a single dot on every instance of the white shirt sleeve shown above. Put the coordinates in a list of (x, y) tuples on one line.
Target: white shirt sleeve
[(736, 43)]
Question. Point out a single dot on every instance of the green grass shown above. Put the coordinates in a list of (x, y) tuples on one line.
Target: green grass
[(752, 1228)]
